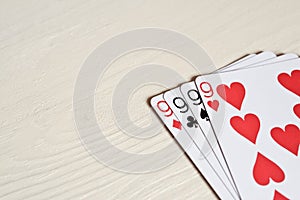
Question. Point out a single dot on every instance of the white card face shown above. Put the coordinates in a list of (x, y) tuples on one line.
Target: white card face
[(266, 55), (207, 168), (257, 122), (192, 127), (250, 60)]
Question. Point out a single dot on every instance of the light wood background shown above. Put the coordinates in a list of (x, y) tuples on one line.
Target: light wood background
[(43, 44)]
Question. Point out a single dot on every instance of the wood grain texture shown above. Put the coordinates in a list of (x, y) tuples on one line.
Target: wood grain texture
[(43, 45)]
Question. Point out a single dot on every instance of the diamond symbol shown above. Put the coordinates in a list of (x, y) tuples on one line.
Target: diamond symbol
[(176, 124)]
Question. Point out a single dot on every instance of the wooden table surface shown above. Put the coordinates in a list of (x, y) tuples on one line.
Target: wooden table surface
[(43, 45)]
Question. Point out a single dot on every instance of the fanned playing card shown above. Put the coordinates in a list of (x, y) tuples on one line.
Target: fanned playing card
[(201, 115), (259, 134)]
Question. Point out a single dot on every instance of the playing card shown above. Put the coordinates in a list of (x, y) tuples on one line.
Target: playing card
[(206, 167), (255, 113)]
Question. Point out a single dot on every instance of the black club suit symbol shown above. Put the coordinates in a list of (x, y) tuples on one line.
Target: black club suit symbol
[(192, 122)]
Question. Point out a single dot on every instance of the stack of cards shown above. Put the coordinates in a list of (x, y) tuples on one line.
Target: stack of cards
[(240, 126)]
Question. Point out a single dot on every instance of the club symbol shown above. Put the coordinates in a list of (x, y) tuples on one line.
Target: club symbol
[(192, 122), (204, 115)]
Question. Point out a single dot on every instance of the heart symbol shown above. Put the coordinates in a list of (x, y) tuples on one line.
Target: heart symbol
[(213, 104), (265, 169), (297, 110), (248, 127), (292, 82), (288, 138), (234, 94), (278, 196)]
